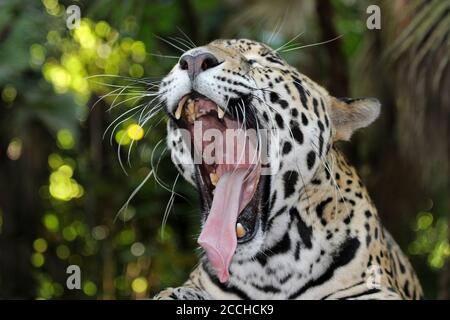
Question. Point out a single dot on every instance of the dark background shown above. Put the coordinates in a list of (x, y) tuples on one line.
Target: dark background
[(62, 186)]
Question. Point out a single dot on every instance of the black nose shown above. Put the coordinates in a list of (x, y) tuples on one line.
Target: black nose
[(194, 64)]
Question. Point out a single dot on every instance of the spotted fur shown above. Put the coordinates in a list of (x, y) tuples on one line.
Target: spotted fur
[(320, 235)]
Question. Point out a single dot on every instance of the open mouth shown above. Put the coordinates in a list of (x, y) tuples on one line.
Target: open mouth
[(228, 176)]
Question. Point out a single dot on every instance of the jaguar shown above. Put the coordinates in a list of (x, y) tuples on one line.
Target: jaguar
[(289, 218)]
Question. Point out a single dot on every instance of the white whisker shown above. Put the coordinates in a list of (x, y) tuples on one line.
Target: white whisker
[(169, 206), (135, 191), (312, 44)]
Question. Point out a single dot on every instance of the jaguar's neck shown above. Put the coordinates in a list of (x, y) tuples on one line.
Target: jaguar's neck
[(327, 200)]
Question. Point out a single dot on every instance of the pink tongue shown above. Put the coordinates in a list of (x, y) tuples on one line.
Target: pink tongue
[(218, 236)]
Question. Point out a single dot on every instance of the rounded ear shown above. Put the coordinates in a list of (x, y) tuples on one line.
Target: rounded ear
[(348, 115)]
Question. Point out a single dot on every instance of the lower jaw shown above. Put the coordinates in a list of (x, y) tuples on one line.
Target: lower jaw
[(252, 215)]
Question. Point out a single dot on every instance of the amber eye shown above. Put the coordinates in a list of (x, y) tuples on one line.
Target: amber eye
[(255, 63)]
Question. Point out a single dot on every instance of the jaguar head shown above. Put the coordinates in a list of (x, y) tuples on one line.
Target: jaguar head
[(249, 131)]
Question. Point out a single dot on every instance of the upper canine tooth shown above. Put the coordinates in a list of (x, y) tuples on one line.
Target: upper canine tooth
[(214, 178), (220, 112), (178, 112), (240, 231), (180, 107), (191, 110)]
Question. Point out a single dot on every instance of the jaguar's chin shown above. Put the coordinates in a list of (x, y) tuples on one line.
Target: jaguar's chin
[(228, 176)]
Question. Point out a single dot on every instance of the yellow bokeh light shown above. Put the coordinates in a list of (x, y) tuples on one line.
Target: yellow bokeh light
[(69, 233), (51, 222), (50, 4), (102, 28), (58, 76), (125, 44), (138, 51), (424, 220), (37, 54), (65, 139), (55, 161), (126, 237), (40, 245), (84, 35), (37, 259), (80, 85), (46, 290), (53, 37), (122, 137), (72, 63), (62, 251), (111, 68), (136, 70), (66, 170), (63, 186), (135, 132), (9, 94), (103, 51), (89, 288), (60, 187), (139, 285)]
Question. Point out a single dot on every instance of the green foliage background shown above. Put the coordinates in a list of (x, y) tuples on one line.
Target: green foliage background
[(62, 185)]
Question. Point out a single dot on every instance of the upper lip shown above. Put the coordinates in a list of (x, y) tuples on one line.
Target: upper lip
[(232, 112), (187, 102)]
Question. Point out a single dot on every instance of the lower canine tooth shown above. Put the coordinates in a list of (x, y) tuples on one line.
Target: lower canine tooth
[(240, 231), (220, 112), (214, 178)]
